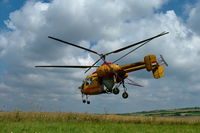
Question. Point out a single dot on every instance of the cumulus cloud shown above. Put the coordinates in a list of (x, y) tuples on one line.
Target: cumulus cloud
[(102, 26), (193, 20)]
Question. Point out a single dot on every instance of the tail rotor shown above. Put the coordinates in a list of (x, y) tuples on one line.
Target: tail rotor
[(161, 61)]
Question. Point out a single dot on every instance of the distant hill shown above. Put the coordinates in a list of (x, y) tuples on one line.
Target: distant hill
[(193, 111)]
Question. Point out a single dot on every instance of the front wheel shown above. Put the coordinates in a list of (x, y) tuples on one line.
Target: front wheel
[(84, 101), (116, 91), (125, 95)]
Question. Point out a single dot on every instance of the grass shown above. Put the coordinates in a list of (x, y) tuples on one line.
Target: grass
[(44, 122), (90, 127)]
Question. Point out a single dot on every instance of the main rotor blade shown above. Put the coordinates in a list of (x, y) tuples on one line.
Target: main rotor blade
[(69, 66), (131, 51), (132, 45), (73, 45), (93, 64)]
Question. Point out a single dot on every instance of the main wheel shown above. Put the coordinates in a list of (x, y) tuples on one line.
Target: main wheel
[(125, 95), (88, 102), (116, 91), (84, 101)]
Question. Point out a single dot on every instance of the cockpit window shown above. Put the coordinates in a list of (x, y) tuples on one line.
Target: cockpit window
[(88, 81), (81, 87)]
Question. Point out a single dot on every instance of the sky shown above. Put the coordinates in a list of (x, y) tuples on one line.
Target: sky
[(102, 26)]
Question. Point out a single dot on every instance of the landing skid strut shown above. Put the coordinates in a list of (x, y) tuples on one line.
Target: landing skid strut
[(85, 100), (115, 90), (124, 94)]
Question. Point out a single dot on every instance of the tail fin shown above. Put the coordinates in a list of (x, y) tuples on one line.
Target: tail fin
[(151, 64), (158, 72)]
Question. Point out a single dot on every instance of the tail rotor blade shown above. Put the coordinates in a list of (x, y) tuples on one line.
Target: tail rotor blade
[(161, 61)]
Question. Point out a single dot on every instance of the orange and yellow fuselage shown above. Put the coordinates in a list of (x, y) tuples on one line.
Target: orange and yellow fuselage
[(93, 84)]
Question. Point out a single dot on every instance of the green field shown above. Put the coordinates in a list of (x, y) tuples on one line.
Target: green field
[(94, 127), (44, 122)]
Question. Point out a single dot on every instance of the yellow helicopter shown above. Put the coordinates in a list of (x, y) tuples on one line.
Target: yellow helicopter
[(109, 76)]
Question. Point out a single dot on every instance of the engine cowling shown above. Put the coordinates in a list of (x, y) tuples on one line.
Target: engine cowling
[(107, 70)]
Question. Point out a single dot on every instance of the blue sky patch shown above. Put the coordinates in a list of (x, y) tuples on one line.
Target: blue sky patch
[(93, 43), (178, 6), (8, 6)]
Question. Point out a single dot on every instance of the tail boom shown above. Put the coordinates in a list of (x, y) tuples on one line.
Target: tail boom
[(150, 63)]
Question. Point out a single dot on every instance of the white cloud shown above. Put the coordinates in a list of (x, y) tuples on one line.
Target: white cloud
[(193, 20), (30, 15), (111, 25)]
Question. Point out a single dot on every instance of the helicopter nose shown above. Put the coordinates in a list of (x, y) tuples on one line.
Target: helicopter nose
[(80, 87)]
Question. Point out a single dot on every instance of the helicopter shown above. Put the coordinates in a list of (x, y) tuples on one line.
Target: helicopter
[(109, 76)]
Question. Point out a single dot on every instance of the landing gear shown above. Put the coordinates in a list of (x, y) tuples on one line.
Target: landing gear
[(125, 95), (116, 91), (108, 91), (85, 100)]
